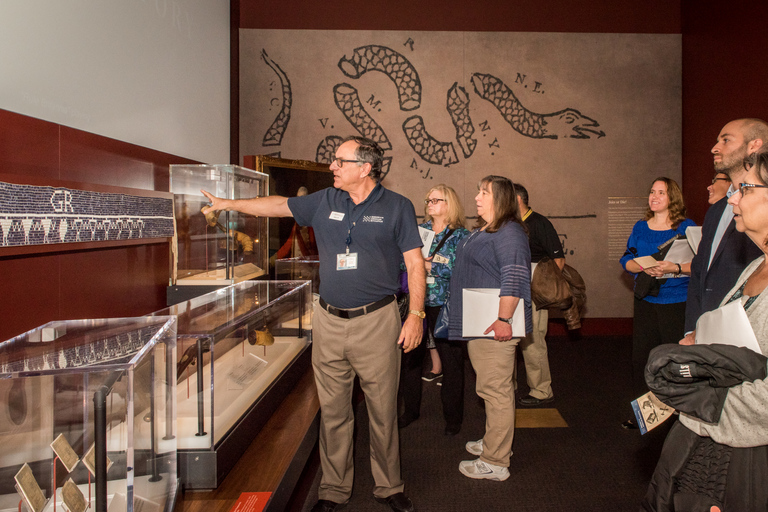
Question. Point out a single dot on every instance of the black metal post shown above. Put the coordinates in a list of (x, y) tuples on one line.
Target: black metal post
[(200, 397), (152, 423), (100, 437), (170, 364)]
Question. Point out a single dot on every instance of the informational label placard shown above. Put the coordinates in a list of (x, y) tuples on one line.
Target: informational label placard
[(251, 502), (623, 213)]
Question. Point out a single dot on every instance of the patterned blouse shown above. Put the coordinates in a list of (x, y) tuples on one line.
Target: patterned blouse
[(438, 279)]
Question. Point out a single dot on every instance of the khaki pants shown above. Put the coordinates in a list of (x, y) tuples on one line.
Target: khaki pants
[(494, 363), (365, 346), (534, 350)]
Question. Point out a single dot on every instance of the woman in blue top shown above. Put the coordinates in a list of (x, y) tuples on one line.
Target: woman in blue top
[(495, 255), (661, 318), (445, 216)]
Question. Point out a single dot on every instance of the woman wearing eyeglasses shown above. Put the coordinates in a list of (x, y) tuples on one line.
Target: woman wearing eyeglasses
[(719, 448), (444, 215), (495, 255), (719, 187), (659, 315)]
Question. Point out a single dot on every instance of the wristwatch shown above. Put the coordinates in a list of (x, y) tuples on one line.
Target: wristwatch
[(419, 314), (508, 320)]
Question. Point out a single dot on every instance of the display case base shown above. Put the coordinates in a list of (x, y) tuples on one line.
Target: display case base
[(200, 469)]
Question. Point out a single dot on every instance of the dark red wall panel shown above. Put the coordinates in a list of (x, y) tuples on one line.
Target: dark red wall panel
[(30, 293), (28, 146), (92, 282), (653, 16)]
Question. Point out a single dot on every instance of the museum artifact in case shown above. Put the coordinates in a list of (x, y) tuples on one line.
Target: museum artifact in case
[(241, 348), (220, 248), (88, 416)]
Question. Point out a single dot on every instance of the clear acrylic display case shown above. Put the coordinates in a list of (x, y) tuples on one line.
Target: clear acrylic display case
[(88, 415), (299, 269), (238, 351), (220, 248)]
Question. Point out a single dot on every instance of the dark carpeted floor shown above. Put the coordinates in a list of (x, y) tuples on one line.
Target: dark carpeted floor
[(592, 465)]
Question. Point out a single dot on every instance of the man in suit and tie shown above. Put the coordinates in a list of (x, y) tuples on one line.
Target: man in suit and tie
[(723, 252)]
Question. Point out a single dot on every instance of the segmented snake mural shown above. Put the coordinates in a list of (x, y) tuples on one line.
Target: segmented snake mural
[(561, 124)]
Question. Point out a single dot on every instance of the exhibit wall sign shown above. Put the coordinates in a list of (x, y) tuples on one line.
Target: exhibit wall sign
[(576, 118)]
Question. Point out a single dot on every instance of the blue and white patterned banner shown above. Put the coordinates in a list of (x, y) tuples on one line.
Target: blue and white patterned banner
[(33, 215)]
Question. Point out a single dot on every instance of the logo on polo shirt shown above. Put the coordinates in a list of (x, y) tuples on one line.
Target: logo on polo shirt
[(373, 218)]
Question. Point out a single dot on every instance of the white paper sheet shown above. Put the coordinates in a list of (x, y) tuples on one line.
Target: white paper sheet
[(427, 236), (481, 309), (693, 234), (727, 325), (679, 252)]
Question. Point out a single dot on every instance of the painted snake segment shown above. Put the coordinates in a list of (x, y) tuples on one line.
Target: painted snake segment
[(274, 135), (391, 63), (326, 150), (567, 123), (427, 147), (458, 109), (348, 102)]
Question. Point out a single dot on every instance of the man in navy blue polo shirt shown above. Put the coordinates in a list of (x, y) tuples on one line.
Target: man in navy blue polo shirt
[(363, 232)]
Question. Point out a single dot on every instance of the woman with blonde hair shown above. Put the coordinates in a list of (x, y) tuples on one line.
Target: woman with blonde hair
[(444, 215), (658, 318)]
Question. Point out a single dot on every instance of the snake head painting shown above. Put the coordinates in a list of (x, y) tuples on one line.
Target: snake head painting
[(564, 124), (569, 123)]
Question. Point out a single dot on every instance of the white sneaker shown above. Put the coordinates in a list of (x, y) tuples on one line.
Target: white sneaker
[(475, 447), (483, 470)]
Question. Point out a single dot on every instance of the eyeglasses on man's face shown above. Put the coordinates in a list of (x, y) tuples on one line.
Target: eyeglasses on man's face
[(433, 201), (341, 161), (748, 186), (715, 180)]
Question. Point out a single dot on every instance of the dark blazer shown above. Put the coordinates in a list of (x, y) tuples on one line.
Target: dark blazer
[(707, 288)]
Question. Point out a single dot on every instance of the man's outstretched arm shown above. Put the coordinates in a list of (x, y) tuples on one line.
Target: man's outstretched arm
[(269, 206)]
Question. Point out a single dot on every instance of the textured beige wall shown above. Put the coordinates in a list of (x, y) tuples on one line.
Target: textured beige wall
[(623, 92)]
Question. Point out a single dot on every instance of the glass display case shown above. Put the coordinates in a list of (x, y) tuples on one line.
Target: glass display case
[(289, 178), (88, 416), (220, 248), (299, 269), (241, 348)]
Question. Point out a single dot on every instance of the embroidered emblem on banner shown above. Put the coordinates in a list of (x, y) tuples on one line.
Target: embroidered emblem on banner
[(33, 215)]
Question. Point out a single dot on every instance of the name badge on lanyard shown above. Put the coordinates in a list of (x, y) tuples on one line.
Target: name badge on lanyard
[(346, 261)]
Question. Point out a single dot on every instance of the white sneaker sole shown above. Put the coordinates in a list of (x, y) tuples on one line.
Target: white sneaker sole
[(494, 477)]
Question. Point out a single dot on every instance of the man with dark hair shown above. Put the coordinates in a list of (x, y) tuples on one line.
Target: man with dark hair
[(544, 243), (723, 252), (363, 232)]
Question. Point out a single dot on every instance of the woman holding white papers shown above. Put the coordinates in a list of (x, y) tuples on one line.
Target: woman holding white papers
[(658, 318), (494, 256), (445, 216)]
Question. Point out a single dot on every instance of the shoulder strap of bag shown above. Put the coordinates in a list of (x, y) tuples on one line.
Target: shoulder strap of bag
[(440, 245)]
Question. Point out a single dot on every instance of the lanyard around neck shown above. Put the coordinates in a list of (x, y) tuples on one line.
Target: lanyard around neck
[(352, 222)]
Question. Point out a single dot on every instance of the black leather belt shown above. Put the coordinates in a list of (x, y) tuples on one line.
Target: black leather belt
[(354, 313)]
